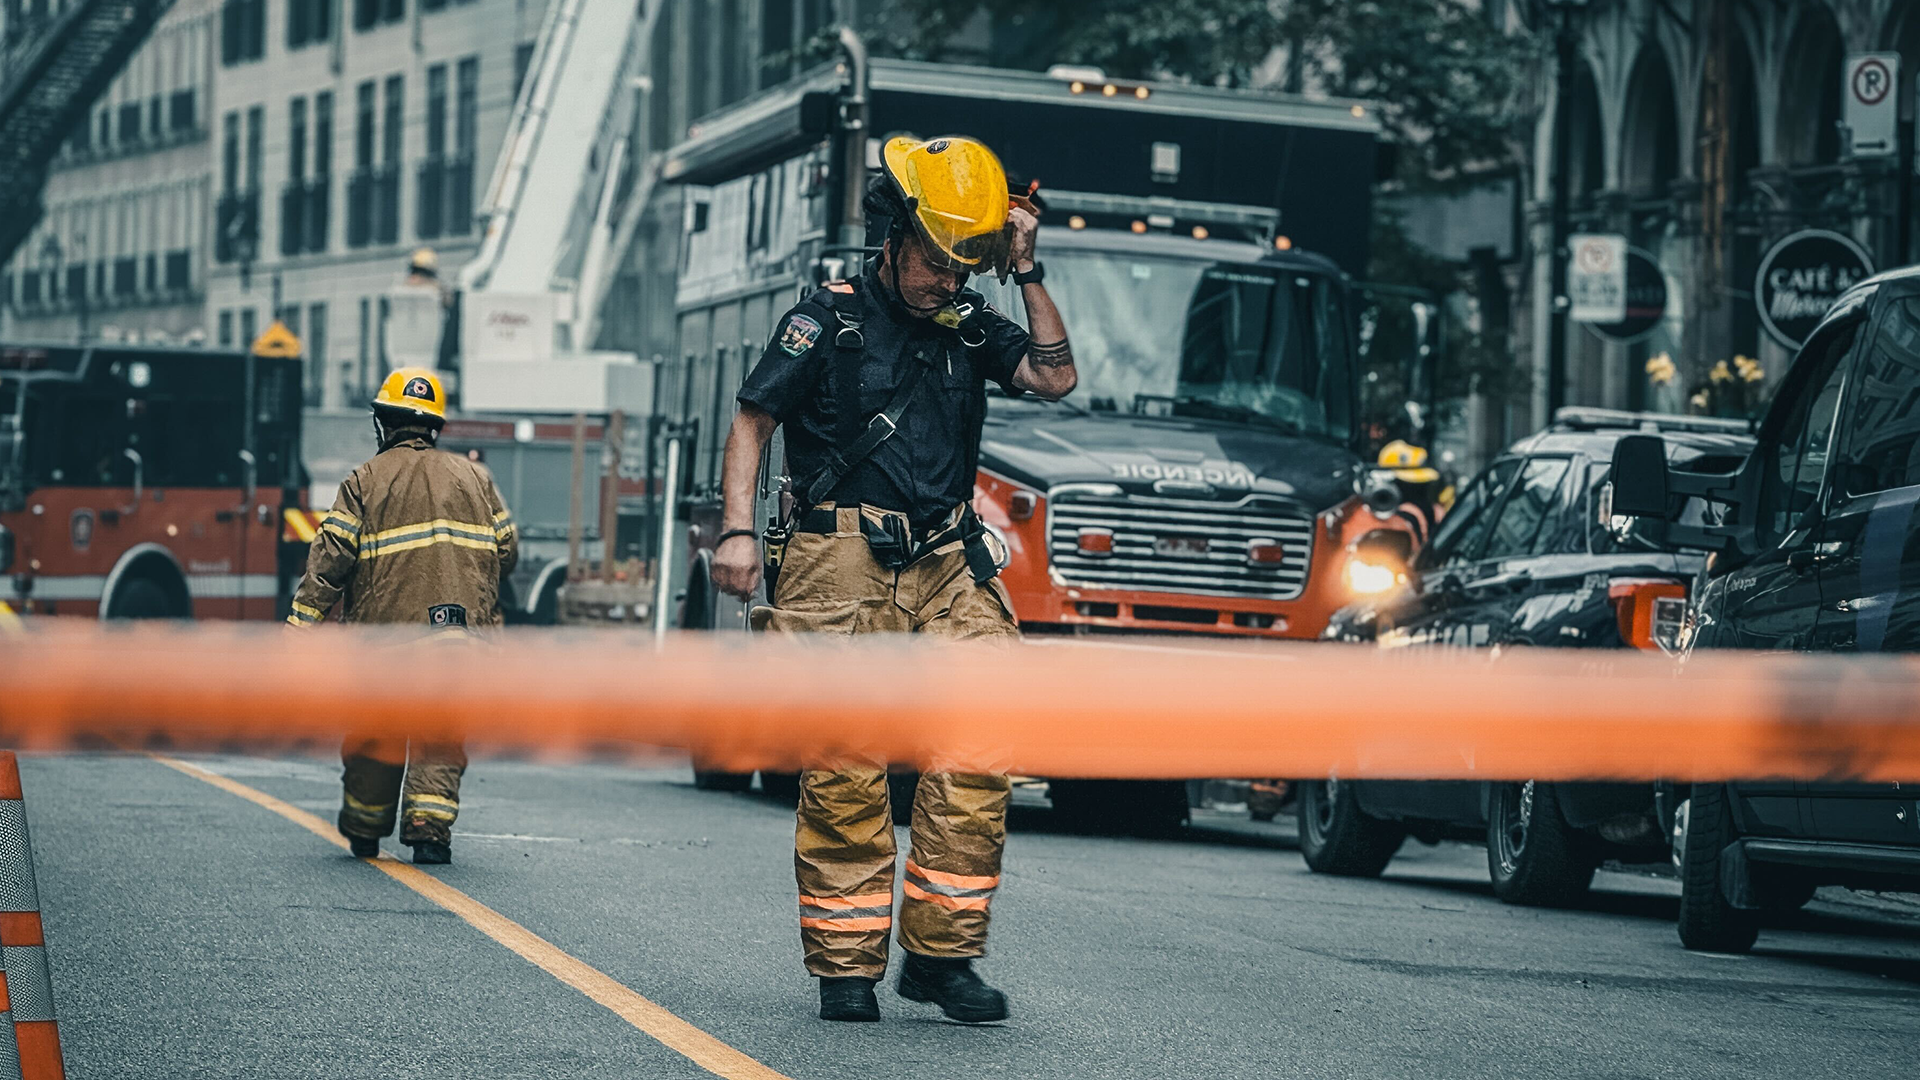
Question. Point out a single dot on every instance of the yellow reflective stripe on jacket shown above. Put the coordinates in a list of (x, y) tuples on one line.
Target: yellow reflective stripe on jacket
[(502, 525), (343, 525), (303, 614), (440, 531)]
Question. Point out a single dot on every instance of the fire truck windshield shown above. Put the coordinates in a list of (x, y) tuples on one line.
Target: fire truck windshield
[(1173, 334)]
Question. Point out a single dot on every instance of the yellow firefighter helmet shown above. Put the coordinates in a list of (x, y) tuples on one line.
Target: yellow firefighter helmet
[(956, 194), (1408, 462), (413, 390), (424, 261)]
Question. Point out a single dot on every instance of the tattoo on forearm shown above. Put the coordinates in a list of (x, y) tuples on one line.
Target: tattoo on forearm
[(1055, 355)]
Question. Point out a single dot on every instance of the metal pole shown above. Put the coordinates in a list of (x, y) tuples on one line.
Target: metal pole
[(853, 144), (663, 583), (1564, 46), (1903, 179)]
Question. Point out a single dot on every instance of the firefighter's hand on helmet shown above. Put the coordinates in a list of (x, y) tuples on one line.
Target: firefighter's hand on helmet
[(736, 567), (1025, 229)]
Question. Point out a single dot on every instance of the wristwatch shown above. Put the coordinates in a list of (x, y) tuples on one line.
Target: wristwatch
[(1032, 277)]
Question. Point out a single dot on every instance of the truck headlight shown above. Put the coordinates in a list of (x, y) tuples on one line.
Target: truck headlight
[(1368, 578)]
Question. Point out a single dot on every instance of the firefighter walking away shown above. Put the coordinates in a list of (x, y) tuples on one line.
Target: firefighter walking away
[(881, 385), (421, 538)]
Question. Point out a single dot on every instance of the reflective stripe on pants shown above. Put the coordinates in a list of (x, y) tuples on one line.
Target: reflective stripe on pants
[(423, 794)]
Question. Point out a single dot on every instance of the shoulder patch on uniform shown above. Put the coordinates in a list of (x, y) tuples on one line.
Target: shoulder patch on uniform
[(799, 334), (442, 616)]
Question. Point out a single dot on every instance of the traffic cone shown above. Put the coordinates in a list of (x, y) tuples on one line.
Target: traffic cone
[(29, 1039)]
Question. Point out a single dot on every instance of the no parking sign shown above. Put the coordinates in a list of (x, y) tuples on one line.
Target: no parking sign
[(1869, 108)]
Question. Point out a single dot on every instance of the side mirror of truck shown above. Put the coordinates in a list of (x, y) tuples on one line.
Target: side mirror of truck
[(1639, 477)]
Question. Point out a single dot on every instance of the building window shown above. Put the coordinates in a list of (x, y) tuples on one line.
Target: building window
[(156, 118), (360, 184), (29, 287), (431, 190), (355, 389), (316, 390), (320, 184), (179, 271), (150, 280), (237, 214), (106, 129), (131, 130), (392, 140), (368, 14), (293, 196), (224, 337), (249, 332), (522, 60), (126, 276), (256, 135), (466, 131), (77, 283), (182, 115), (243, 31)]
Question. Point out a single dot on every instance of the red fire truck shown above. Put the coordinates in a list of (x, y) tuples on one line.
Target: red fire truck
[(147, 482)]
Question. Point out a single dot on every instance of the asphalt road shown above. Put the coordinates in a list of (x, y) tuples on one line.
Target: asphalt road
[(196, 934)]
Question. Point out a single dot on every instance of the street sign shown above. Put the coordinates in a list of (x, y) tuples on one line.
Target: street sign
[(1801, 276), (1870, 110), (1646, 300), (1597, 277)]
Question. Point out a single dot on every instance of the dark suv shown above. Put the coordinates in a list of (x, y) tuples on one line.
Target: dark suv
[(1817, 548), (1528, 556)]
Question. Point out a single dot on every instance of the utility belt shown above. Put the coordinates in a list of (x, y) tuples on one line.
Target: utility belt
[(894, 542)]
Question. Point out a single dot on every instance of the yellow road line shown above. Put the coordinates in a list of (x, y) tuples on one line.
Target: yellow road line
[(669, 1030)]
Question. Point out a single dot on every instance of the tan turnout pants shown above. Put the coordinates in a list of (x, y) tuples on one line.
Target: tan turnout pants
[(428, 802), (843, 841)]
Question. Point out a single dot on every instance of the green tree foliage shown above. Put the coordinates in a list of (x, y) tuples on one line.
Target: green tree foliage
[(1448, 81)]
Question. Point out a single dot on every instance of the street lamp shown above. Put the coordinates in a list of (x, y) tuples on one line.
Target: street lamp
[(1566, 46)]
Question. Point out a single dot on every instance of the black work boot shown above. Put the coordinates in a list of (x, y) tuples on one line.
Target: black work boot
[(431, 853), (950, 983), (364, 847), (849, 998)]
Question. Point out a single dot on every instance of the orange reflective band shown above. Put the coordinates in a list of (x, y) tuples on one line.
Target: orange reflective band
[(5, 1006), (952, 903), (877, 922), (21, 928), (38, 1044), (9, 775), (884, 899), (958, 881)]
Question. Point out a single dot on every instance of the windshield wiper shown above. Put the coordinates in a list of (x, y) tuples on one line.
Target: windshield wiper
[(1223, 411)]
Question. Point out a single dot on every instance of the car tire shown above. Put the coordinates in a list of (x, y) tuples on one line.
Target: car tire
[(901, 788), (715, 780), (1337, 837), (1130, 807), (141, 598), (1708, 923), (1535, 858), (781, 786)]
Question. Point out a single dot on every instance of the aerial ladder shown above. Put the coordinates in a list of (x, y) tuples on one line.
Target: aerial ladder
[(59, 56)]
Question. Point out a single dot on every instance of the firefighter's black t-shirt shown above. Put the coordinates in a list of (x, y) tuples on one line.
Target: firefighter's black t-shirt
[(926, 468)]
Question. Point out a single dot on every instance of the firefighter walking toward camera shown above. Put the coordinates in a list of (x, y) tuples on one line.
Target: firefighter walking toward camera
[(419, 538), (881, 385)]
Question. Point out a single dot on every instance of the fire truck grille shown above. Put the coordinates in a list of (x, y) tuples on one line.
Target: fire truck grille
[(1181, 545)]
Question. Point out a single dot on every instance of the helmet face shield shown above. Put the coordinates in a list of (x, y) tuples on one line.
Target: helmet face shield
[(956, 195)]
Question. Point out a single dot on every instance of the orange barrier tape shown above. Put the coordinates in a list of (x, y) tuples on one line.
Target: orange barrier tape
[(31, 1043), (1070, 710)]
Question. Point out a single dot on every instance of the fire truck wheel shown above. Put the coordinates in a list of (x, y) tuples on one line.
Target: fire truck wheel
[(142, 598), (1133, 807), (1337, 837)]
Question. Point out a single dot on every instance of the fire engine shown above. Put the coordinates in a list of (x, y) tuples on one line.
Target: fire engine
[(147, 482)]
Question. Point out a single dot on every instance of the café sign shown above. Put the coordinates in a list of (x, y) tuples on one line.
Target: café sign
[(1801, 276)]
